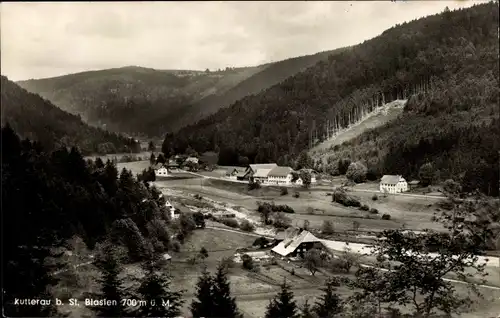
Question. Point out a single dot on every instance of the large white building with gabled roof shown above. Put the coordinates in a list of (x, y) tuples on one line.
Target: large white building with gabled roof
[(393, 184)]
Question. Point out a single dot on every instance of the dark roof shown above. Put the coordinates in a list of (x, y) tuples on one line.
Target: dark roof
[(280, 172)]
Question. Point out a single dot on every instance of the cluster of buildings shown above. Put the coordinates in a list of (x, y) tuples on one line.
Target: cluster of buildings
[(164, 169), (269, 174)]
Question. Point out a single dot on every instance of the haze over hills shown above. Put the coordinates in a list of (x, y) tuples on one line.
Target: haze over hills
[(445, 64), (37, 119), (142, 100), (134, 99)]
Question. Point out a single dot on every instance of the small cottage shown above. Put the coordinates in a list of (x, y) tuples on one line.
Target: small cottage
[(161, 172), (298, 244), (235, 173), (393, 184)]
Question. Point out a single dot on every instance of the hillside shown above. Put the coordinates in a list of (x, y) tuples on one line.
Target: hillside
[(37, 119), (134, 99), (272, 74), (374, 119), (444, 64)]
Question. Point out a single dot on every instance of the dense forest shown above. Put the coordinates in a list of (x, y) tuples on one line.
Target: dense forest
[(35, 118), (50, 197), (272, 74), (446, 64)]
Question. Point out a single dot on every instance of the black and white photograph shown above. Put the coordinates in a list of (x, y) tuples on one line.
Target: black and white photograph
[(250, 159)]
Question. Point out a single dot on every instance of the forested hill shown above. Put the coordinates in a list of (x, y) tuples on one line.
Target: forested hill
[(423, 56), (271, 75), (35, 118), (135, 99)]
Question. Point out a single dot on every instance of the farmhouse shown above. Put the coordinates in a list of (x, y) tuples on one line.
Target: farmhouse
[(174, 214), (259, 172), (191, 159), (235, 173), (288, 233), (297, 244), (161, 172), (280, 176), (393, 184), (172, 164)]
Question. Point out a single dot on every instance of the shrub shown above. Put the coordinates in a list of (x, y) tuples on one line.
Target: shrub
[(375, 197), (283, 191), (176, 246), (386, 217), (262, 242), (229, 222), (247, 262), (247, 226), (364, 207), (373, 211), (227, 262), (327, 227), (296, 194)]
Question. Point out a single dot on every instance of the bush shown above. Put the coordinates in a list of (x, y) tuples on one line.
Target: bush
[(373, 211), (327, 227), (229, 222), (375, 197), (246, 226), (340, 196), (386, 217), (296, 194), (262, 242), (227, 262), (364, 207), (176, 246), (283, 191), (247, 262)]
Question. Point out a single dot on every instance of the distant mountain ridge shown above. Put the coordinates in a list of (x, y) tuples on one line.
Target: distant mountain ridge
[(37, 119), (139, 100)]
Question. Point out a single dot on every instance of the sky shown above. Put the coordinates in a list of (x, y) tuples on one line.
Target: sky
[(49, 39)]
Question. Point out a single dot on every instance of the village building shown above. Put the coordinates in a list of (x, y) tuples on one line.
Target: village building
[(297, 244), (280, 176), (174, 214), (172, 164), (235, 173), (259, 172), (161, 171), (192, 160), (393, 184), (413, 184)]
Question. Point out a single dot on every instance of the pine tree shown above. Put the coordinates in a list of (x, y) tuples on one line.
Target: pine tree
[(307, 311), (223, 304), (283, 305), (155, 290), (203, 304), (330, 304), (111, 284), (152, 159)]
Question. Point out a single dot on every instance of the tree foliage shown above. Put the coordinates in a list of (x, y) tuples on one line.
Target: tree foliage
[(283, 305)]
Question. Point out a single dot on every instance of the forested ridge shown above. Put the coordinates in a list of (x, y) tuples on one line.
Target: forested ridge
[(35, 118), (134, 99), (446, 64)]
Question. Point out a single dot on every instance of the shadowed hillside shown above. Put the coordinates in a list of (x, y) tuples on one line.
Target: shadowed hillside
[(37, 119)]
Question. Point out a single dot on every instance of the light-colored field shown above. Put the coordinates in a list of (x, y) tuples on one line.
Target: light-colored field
[(136, 166)]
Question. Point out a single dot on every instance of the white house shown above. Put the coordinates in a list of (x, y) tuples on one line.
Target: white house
[(162, 172), (280, 176), (393, 184), (173, 214)]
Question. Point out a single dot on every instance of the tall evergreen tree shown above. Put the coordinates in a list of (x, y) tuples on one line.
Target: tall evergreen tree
[(111, 284), (330, 304), (203, 305), (155, 290), (283, 305), (224, 304), (307, 311)]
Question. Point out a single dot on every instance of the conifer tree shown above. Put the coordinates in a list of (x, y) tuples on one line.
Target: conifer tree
[(155, 290), (224, 304), (111, 284), (203, 304), (330, 304), (307, 311), (283, 305)]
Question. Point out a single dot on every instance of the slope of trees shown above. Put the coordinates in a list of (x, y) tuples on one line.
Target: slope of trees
[(49, 197), (411, 59), (35, 118)]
